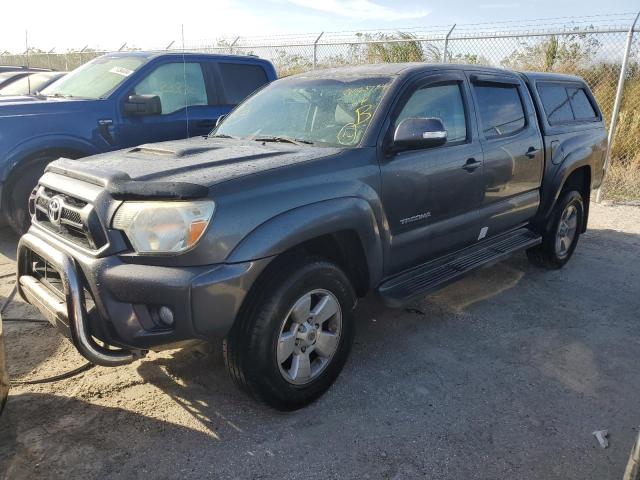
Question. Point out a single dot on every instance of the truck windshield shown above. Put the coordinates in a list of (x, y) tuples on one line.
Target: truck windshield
[(95, 79), (329, 112), (29, 84)]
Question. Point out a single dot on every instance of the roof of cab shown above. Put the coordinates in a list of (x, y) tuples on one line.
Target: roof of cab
[(179, 53), (550, 77), (401, 69), (394, 69)]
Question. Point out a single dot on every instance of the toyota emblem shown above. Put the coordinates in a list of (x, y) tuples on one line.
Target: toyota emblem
[(54, 210)]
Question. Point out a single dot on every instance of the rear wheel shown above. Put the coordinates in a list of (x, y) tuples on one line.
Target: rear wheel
[(293, 337), (560, 238)]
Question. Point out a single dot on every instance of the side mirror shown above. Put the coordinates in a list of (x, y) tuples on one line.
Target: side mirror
[(415, 133), (219, 120), (143, 105)]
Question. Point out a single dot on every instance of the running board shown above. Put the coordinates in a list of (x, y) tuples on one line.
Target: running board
[(437, 273)]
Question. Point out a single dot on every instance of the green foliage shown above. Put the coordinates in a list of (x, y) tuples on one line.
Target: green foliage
[(568, 54), (384, 48), (468, 59), (551, 53), (290, 63)]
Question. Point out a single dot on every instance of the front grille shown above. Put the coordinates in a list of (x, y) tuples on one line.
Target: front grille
[(46, 274), (51, 278), (72, 216), (68, 217)]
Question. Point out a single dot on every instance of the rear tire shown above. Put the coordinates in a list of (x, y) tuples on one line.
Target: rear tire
[(282, 323), (561, 235)]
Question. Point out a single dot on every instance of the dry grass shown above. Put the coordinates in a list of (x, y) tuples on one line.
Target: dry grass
[(623, 181)]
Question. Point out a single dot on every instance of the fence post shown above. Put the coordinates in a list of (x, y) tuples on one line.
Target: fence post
[(446, 44), (616, 104), (49, 55), (315, 50), (233, 45), (26, 44)]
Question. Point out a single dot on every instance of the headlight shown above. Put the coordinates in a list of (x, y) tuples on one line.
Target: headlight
[(163, 227)]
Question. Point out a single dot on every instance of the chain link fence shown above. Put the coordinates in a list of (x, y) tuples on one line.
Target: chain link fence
[(589, 48)]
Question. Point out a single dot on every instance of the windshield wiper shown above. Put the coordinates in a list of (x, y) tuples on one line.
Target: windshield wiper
[(59, 95), (295, 141)]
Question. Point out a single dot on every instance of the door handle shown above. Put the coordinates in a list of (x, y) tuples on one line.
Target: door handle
[(531, 153), (471, 165)]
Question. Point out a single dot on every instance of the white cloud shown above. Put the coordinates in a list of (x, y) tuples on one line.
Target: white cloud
[(361, 9)]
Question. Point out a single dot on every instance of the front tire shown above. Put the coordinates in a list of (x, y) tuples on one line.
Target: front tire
[(561, 235), (294, 334), (21, 186)]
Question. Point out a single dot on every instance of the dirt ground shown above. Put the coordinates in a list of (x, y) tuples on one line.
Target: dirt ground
[(504, 374)]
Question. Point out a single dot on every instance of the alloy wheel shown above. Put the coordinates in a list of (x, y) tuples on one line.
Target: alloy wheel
[(309, 336)]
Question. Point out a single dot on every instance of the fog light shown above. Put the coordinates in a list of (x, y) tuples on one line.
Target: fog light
[(166, 315)]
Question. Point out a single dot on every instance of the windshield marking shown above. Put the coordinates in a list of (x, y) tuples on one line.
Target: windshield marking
[(348, 134)]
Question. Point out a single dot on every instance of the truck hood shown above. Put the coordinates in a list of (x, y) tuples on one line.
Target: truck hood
[(18, 98), (32, 105), (197, 161)]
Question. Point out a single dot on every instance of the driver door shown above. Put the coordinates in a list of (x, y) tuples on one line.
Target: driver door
[(184, 100), (432, 196)]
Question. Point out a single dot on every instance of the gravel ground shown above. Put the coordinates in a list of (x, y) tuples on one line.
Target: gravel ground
[(504, 374)]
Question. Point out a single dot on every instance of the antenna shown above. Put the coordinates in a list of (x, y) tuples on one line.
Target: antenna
[(184, 76)]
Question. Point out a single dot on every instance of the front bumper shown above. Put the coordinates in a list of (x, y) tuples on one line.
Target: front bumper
[(117, 302)]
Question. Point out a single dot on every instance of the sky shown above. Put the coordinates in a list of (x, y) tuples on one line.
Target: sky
[(66, 24)]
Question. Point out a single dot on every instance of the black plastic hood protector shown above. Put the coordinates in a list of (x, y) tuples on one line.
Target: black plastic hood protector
[(183, 169), (134, 190)]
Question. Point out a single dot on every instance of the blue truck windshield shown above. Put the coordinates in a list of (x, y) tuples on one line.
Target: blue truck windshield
[(95, 79)]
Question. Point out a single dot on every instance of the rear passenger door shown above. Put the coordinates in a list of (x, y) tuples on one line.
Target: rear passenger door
[(230, 83), (513, 152), (239, 80)]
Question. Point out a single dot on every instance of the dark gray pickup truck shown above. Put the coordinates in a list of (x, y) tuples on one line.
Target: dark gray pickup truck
[(319, 188)]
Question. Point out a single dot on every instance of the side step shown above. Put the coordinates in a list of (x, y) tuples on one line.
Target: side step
[(437, 273)]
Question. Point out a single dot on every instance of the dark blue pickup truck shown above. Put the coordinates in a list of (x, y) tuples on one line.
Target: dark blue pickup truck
[(116, 101)]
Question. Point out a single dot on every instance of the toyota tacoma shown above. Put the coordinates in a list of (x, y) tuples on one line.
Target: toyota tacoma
[(316, 190)]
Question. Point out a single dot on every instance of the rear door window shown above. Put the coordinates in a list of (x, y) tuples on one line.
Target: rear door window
[(501, 110), (241, 80)]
